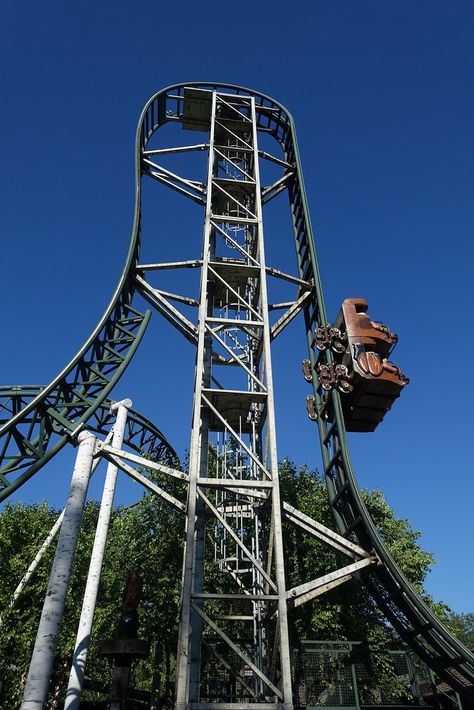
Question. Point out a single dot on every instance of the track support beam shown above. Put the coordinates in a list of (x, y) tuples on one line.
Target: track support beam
[(78, 666), (37, 683)]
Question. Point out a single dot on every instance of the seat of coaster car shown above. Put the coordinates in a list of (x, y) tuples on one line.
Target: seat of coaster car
[(361, 371)]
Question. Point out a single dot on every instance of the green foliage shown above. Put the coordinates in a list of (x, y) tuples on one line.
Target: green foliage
[(150, 535), (22, 530), (347, 612), (462, 625), (400, 539)]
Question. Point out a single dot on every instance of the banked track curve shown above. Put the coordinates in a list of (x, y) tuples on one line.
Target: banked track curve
[(37, 421)]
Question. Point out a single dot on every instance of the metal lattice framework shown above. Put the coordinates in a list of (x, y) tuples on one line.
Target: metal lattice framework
[(140, 433), (237, 617)]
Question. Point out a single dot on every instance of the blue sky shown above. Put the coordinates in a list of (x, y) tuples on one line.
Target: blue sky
[(382, 95)]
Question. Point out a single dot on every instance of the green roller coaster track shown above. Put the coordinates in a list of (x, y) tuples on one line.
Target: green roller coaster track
[(38, 421)]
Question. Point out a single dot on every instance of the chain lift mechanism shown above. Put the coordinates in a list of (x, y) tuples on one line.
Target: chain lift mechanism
[(233, 649)]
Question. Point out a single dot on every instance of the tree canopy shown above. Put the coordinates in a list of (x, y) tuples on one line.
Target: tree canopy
[(149, 536)]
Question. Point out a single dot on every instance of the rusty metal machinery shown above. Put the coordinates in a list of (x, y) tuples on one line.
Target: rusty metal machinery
[(360, 369)]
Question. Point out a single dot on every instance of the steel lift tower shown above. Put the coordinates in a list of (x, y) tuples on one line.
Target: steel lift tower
[(237, 493)]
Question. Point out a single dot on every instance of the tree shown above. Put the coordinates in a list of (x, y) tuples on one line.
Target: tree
[(338, 612), (463, 626), (347, 612), (149, 535)]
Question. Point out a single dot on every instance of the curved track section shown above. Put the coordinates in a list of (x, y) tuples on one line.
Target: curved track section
[(38, 424), (406, 611), (140, 435), (34, 427)]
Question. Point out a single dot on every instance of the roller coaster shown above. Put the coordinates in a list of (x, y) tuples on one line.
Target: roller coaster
[(353, 386)]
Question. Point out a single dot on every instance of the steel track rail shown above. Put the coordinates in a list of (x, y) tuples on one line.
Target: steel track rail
[(140, 434), (33, 431), (78, 391)]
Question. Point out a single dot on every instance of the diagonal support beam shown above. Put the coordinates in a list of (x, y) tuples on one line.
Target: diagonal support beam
[(145, 481), (235, 165), (305, 592), (235, 244), (189, 264), (237, 650), (245, 325), (274, 159), (238, 360), (321, 532), (140, 461), (177, 297), (240, 115), (235, 293), (288, 316), (176, 149), (305, 285), (192, 184), (233, 671), (268, 193), (237, 539), (237, 437), (171, 314), (245, 144), (235, 200), (177, 188)]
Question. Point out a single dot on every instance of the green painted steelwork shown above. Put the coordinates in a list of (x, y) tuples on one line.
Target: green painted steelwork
[(333, 675), (34, 433), (26, 440), (140, 434)]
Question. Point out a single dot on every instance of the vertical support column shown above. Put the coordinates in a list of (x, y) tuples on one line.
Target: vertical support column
[(190, 624), (236, 403), (76, 677), (355, 686), (47, 542), (285, 664), (42, 660)]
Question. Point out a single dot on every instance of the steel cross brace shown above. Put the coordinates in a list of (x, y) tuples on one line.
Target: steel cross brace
[(297, 595)]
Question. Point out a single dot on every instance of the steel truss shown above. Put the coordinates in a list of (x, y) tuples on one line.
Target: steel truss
[(141, 434), (234, 414), (236, 615)]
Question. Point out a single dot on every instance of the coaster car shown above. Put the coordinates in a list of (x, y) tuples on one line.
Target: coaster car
[(360, 370)]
